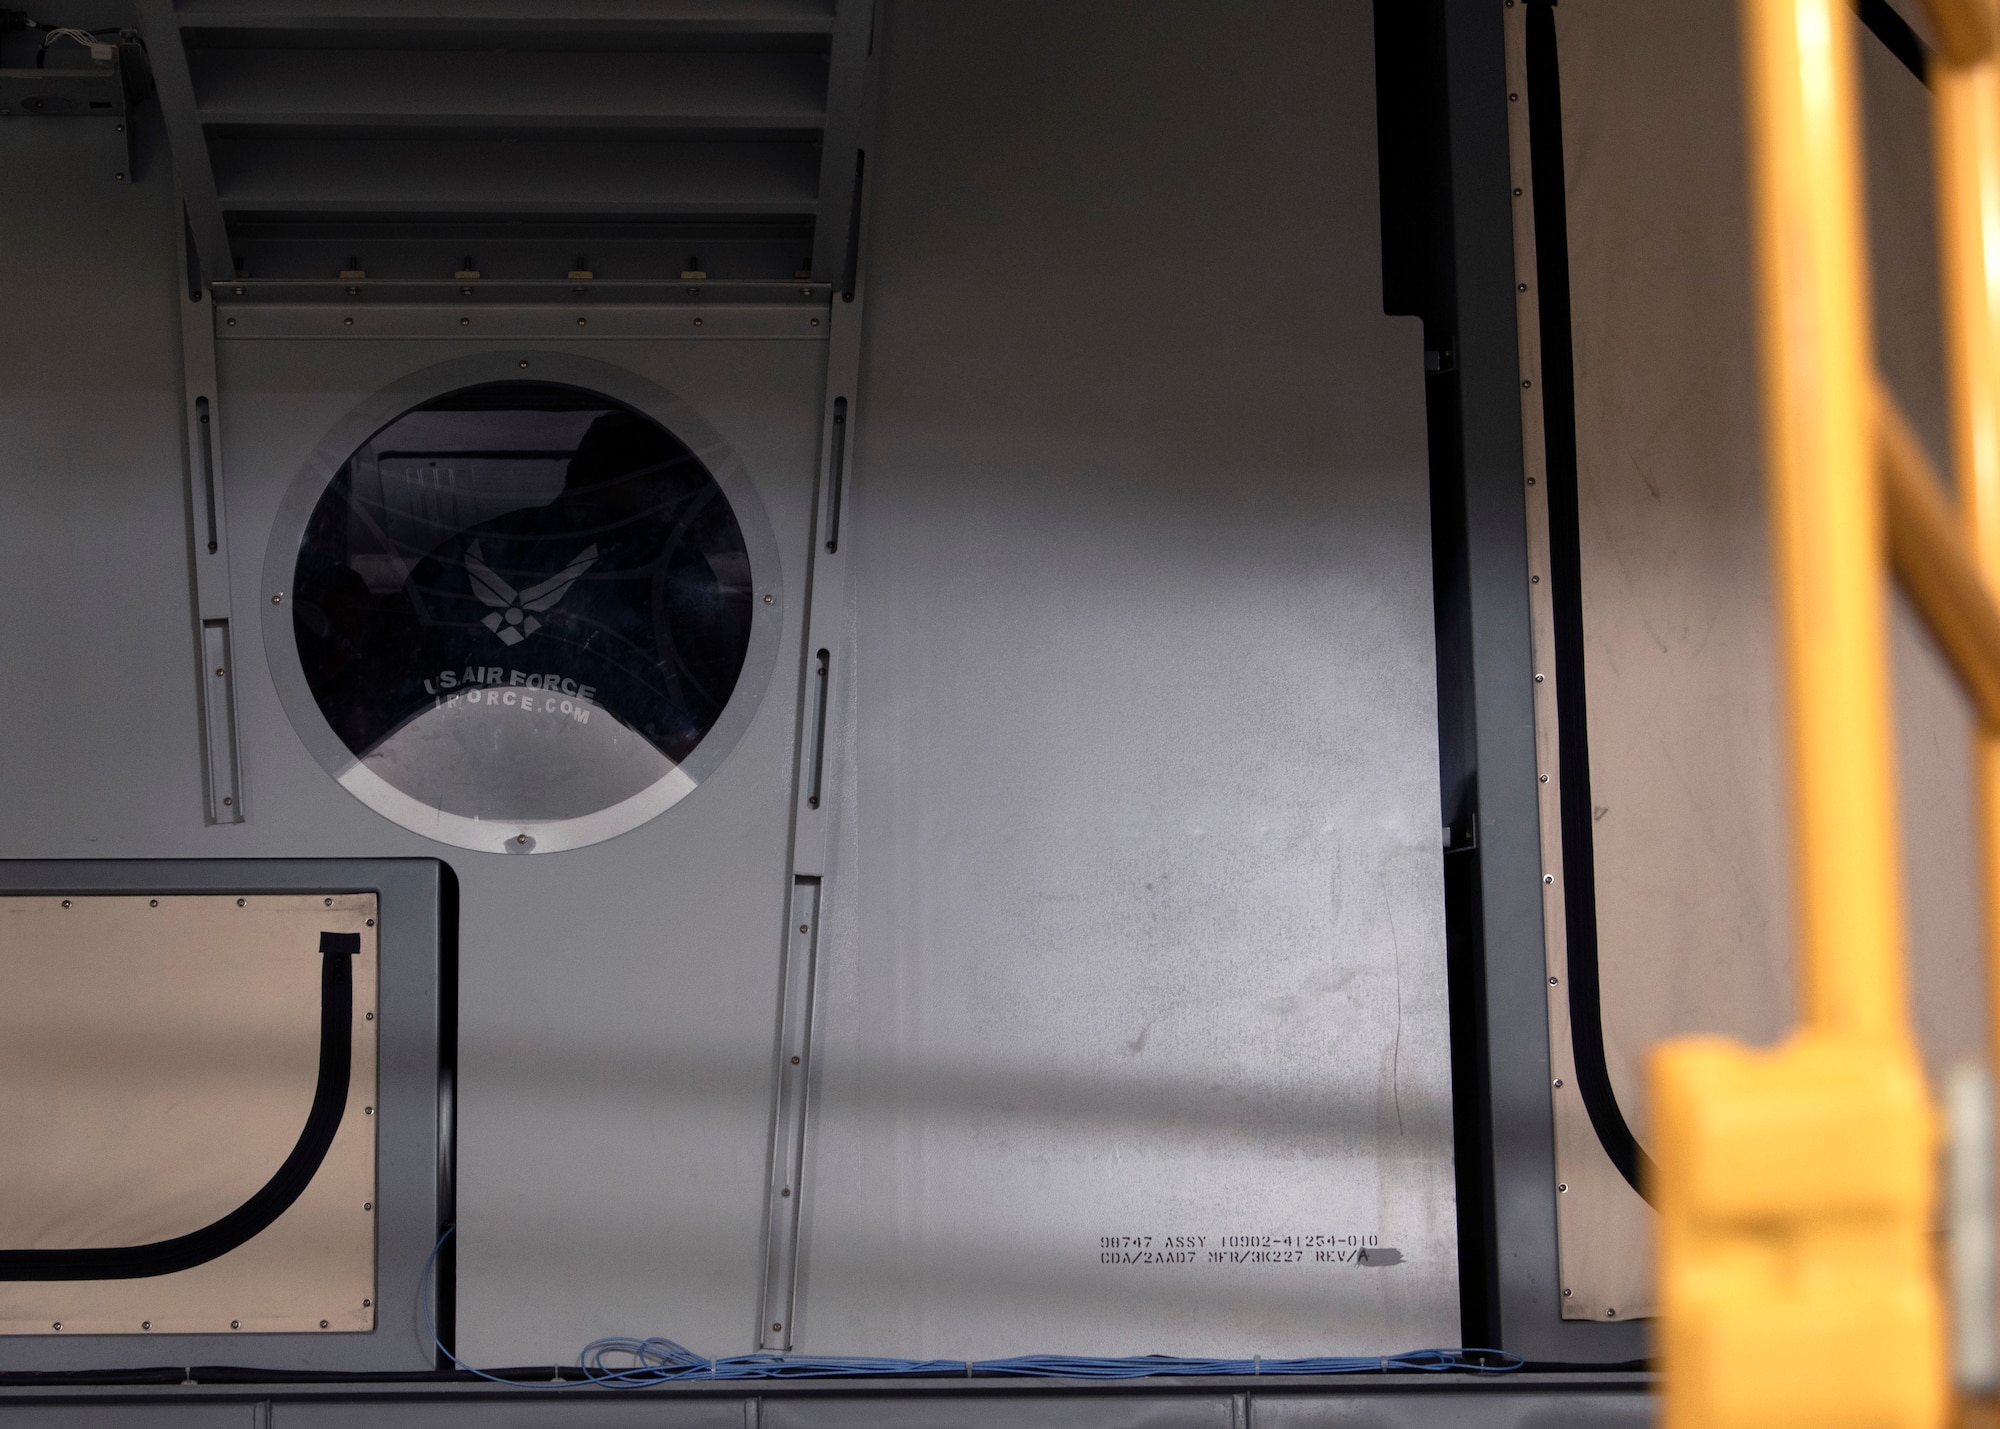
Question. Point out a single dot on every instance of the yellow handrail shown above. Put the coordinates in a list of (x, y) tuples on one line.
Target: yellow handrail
[(1797, 1185)]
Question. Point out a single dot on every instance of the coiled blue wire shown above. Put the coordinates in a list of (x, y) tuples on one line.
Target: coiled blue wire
[(623, 1362)]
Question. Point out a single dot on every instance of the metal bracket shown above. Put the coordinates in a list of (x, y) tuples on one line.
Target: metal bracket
[(208, 554), (99, 83)]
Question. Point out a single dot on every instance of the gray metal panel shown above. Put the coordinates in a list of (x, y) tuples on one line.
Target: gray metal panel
[(1517, 1037), (1582, 1408), (618, 1001), (1133, 925), (409, 1125), (166, 1416)]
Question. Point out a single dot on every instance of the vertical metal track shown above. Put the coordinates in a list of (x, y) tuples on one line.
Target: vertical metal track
[(208, 551), (825, 658)]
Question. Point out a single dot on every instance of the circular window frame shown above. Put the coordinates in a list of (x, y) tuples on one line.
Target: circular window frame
[(524, 835)]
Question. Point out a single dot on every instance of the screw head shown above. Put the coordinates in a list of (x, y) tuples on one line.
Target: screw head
[(231, 321), (145, 1324), (583, 322), (1562, 1185), (774, 1325), (368, 1111), (371, 922), (1548, 878), (1559, 1081), (366, 1303), (367, 1205), (322, 1324), (239, 903), (1552, 982), (769, 599), (235, 1324), (795, 1061), (65, 903), (697, 322), (368, 1016), (277, 600), (154, 903), (815, 322), (524, 362), (58, 1324), (1565, 1293), (1538, 679), (348, 321)]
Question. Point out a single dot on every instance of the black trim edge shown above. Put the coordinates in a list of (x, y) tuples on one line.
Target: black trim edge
[(1896, 36), (1586, 1019), (329, 1105)]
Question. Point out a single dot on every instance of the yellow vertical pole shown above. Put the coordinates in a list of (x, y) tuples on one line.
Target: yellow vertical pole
[(1796, 1185), (1816, 371), (1966, 123)]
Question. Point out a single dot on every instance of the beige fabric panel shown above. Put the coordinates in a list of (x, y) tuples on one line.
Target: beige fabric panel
[(158, 1058), (1694, 917)]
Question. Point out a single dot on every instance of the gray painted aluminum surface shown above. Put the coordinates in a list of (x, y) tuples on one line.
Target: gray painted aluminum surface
[(1132, 1022), (619, 1003), (1393, 1402), (412, 1123)]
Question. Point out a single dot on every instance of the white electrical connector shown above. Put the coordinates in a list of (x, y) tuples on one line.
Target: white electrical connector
[(1969, 1230), (100, 50)]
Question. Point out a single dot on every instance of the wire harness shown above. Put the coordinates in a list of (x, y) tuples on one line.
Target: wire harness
[(624, 1362)]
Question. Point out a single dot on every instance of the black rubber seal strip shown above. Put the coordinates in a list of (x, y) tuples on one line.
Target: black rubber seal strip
[(1896, 36), (1586, 1018), (329, 1104)]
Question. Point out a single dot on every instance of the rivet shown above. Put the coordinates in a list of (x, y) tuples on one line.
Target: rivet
[(145, 1324), (277, 600), (697, 322), (805, 292), (1526, 383), (233, 1324), (119, 177), (786, 1193), (154, 903), (366, 1303), (1559, 1081), (322, 1324), (1552, 982), (1517, 192), (583, 322), (371, 922), (348, 321), (769, 598), (1538, 679), (367, 1205), (1548, 878), (1531, 481), (815, 322), (58, 1324), (465, 322), (524, 362), (802, 927), (1609, 1313), (1520, 287), (465, 292), (1534, 580), (368, 1111), (65, 903), (368, 1017), (795, 1061), (521, 838), (120, 128), (239, 292), (1545, 778), (1565, 1293), (231, 322), (353, 292), (227, 801), (1562, 1185), (239, 903), (329, 902), (774, 1325), (1514, 98)]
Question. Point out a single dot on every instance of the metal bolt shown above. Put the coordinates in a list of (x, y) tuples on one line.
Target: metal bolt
[(371, 922), (1538, 679), (231, 321), (154, 904), (366, 1303), (802, 927), (1526, 383), (277, 600), (465, 322), (1562, 1186), (697, 322), (227, 801), (795, 1061), (145, 1324), (322, 1324), (367, 1205), (815, 322), (774, 1325), (65, 903), (369, 1016), (1548, 878), (368, 1111), (348, 321), (583, 322), (239, 903), (58, 1324), (329, 902), (1559, 1081), (1552, 982), (1545, 778), (524, 362), (786, 1193), (235, 1324)]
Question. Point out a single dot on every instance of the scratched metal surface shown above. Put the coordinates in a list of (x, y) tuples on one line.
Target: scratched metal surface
[(1133, 937)]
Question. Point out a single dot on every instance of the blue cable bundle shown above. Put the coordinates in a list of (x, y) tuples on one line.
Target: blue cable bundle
[(656, 1360)]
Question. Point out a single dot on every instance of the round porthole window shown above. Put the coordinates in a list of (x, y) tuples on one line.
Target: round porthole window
[(524, 615)]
